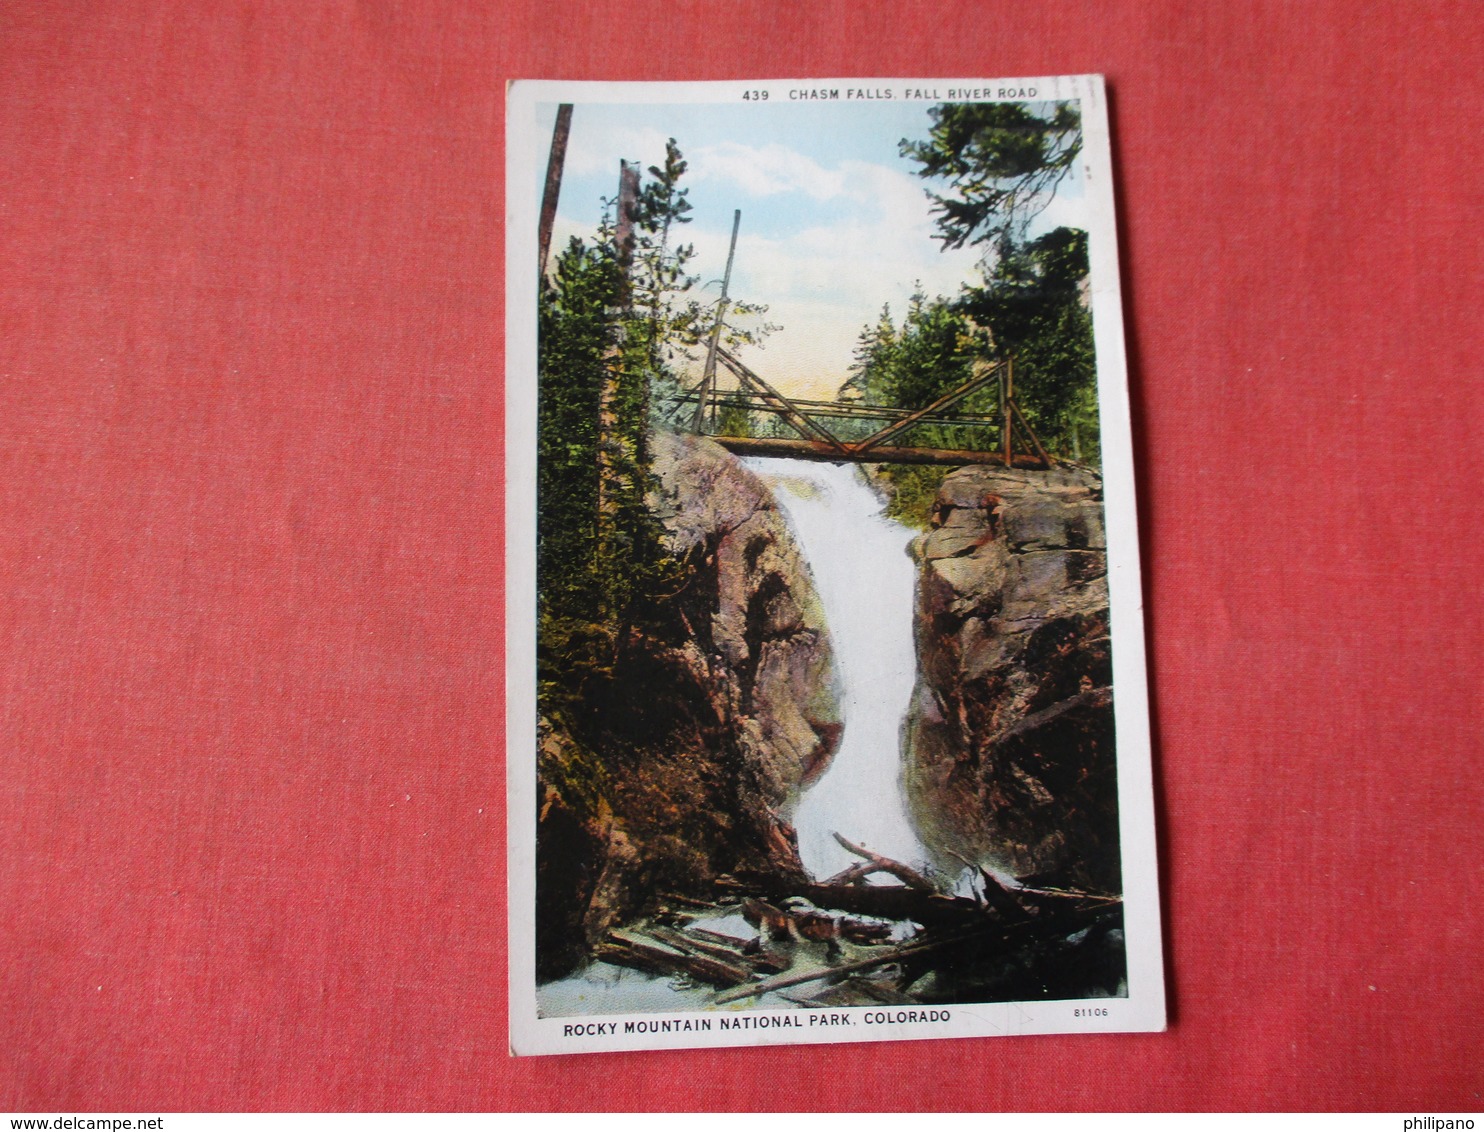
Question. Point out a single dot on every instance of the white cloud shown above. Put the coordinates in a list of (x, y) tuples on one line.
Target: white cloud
[(825, 281), (1061, 211), (762, 171), (588, 155)]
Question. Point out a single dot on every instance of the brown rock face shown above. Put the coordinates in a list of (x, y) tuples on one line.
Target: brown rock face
[(1010, 756), (756, 617), (686, 762)]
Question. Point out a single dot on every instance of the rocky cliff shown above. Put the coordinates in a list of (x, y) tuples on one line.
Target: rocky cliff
[(1009, 742), (685, 761)]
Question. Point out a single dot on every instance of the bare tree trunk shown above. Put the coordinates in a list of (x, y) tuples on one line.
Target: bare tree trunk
[(708, 374), (553, 188)]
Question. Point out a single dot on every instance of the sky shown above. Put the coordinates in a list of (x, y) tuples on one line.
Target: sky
[(835, 222)]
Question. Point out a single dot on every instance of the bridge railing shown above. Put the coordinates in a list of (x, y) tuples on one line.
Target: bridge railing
[(743, 414), (757, 419)]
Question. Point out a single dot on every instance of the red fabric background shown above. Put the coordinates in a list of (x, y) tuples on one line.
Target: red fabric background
[(251, 797)]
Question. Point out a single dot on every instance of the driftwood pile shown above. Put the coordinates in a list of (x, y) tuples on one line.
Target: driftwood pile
[(847, 942)]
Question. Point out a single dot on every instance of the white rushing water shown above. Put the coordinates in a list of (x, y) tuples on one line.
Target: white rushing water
[(866, 582)]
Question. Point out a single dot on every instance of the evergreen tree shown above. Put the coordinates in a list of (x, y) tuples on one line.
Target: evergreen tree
[(573, 336), (910, 367), (601, 562), (1034, 307), (668, 322), (1002, 162), (929, 358), (871, 360), (617, 326)]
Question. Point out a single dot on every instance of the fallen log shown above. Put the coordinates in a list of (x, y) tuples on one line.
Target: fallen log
[(714, 937), (867, 932), (810, 922), (620, 947), (1020, 898), (1095, 898), (1003, 899), (770, 921), (737, 994), (759, 961), (688, 901), (904, 873), (892, 902), (853, 874)]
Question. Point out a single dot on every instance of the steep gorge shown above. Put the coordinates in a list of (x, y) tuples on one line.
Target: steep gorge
[(686, 764)]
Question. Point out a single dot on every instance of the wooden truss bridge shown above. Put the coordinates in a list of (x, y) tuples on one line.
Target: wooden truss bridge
[(1016, 444)]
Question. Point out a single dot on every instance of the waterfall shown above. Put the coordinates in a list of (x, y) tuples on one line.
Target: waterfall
[(865, 582)]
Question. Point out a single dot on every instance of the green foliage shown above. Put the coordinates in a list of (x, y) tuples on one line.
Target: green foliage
[(735, 420), (1030, 308), (911, 366), (667, 322), (1032, 304), (912, 489), (573, 337), (617, 332), (1002, 162), (609, 334), (672, 323), (873, 350), (931, 355)]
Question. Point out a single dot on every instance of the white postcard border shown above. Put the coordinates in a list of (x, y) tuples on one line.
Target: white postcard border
[(1144, 1007)]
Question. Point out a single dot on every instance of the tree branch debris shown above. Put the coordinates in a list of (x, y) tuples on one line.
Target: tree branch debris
[(869, 944)]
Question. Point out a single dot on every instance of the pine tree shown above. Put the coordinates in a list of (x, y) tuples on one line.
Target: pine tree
[(660, 280), (1002, 162), (616, 329), (1034, 304), (871, 361)]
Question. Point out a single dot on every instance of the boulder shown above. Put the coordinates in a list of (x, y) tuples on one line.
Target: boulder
[(1009, 741), (688, 761), (756, 609)]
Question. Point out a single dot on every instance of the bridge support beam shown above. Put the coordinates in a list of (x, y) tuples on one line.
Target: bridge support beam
[(881, 454)]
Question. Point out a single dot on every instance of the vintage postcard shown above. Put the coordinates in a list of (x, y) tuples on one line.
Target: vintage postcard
[(827, 705)]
